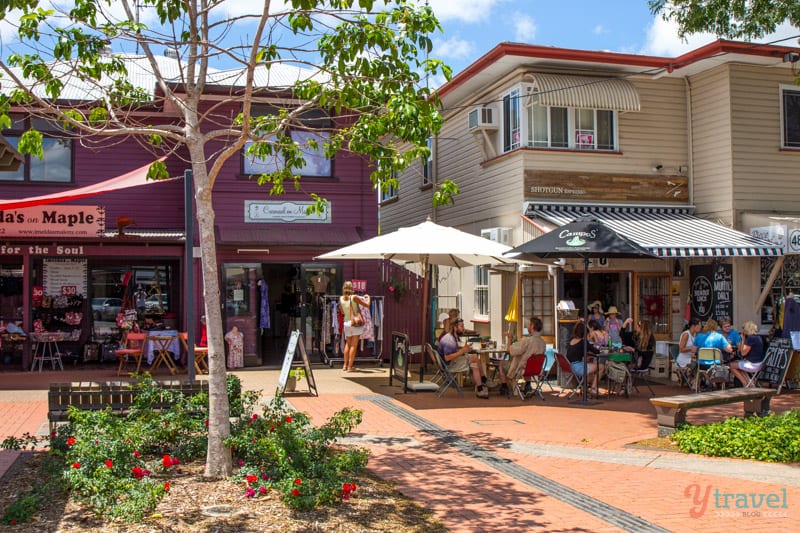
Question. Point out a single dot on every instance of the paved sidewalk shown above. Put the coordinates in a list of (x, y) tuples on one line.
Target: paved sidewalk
[(506, 465)]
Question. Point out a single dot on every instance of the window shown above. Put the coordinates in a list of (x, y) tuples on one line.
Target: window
[(481, 291), (511, 121), (654, 301), (790, 118), (537, 300), (309, 134), (55, 167), (427, 165), (550, 127), (389, 193)]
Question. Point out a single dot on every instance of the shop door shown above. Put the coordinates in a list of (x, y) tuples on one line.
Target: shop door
[(319, 281), (242, 309)]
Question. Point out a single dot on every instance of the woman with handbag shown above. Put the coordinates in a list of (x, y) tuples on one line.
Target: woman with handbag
[(349, 306)]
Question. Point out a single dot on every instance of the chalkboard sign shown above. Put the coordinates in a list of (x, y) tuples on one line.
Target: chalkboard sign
[(289, 363), (398, 365), (711, 291), (776, 362)]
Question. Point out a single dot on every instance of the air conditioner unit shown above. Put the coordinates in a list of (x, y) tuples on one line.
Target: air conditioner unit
[(481, 118), (501, 235)]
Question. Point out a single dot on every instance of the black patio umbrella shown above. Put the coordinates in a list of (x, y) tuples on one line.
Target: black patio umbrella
[(587, 238)]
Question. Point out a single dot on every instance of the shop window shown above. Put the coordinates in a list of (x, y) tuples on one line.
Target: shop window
[(310, 132), (653, 301), (787, 281), (55, 166), (537, 300), (11, 313)]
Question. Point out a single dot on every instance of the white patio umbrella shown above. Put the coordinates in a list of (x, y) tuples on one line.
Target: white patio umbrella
[(428, 244)]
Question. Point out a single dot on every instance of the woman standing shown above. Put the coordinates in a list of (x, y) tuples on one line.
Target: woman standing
[(349, 307)]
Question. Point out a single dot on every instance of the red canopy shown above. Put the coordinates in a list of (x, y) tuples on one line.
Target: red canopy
[(133, 178)]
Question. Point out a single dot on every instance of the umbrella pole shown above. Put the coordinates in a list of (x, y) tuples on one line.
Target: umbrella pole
[(585, 389), (425, 298)]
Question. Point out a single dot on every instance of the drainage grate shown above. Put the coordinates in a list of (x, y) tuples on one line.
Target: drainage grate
[(601, 510)]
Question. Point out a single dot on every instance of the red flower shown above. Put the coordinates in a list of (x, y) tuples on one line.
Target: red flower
[(175, 461), (249, 492), (70, 441), (298, 481), (76, 464), (206, 422), (262, 489), (13, 521), (137, 472), (255, 439), (109, 464), (353, 487), (136, 454), (251, 478), (166, 461), (391, 289), (295, 492), (146, 473), (346, 487), (166, 486), (53, 434), (241, 463), (288, 419), (255, 416), (265, 476)]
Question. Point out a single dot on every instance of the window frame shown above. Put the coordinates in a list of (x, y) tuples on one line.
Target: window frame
[(427, 165), (50, 132), (481, 293), (390, 194), (512, 120), (314, 118), (573, 129), (783, 90)]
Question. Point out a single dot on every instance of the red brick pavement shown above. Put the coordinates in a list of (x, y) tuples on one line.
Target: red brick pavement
[(469, 495)]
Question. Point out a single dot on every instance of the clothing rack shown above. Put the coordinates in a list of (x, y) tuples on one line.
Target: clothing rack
[(332, 343)]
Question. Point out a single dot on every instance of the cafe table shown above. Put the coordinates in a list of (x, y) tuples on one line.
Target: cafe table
[(491, 357), (159, 347)]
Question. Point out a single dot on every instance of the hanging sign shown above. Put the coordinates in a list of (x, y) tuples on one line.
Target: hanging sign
[(64, 277), (711, 291)]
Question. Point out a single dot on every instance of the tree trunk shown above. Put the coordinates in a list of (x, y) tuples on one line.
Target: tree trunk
[(218, 458)]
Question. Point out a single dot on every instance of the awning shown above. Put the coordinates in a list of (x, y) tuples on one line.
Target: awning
[(585, 92), (133, 178), (665, 231)]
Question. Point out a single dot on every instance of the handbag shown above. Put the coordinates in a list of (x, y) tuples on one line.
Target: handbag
[(356, 318), (617, 372)]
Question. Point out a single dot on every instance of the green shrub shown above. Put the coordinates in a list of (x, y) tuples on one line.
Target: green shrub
[(774, 438), (47, 485)]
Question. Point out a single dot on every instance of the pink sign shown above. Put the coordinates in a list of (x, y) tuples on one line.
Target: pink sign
[(53, 221), (360, 285)]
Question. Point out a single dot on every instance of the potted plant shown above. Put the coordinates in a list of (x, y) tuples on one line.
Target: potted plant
[(295, 375)]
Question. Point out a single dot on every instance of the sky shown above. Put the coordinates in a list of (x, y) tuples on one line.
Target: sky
[(473, 27)]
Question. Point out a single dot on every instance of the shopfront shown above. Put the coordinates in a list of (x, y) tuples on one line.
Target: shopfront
[(69, 277)]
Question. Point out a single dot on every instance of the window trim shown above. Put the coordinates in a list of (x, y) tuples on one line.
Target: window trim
[(392, 195), (12, 135), (782, 90), (481, 293), (572, 130), (428, 169)]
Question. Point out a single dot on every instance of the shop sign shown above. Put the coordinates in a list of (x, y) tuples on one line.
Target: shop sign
[(775, 234), (284, 212), (53, 221), (711, 291), (360, 285)]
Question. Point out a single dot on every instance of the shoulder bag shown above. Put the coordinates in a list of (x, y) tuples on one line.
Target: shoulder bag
[(356, 318)]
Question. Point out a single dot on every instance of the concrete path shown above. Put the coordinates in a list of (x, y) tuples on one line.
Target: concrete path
[(506, 465)]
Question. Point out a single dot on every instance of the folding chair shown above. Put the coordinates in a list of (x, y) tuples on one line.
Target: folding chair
[(200, 353), (447, 378), (534, 368), (131, 351), (707, 359), (550, 360), (753, 377), (684, 373), (641, 375), (566, 369)]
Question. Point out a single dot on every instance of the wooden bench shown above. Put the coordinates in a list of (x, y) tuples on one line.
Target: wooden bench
[(671, 410), (97, 395)]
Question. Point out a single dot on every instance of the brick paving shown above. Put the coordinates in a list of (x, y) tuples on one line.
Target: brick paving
[(506, 465)]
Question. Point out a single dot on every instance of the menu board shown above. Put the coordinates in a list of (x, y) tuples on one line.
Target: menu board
[(776, 362), (711, 291), (64, 277)]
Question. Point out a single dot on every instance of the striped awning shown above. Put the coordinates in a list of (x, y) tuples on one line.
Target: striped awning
[(585, 92), (665, 231)]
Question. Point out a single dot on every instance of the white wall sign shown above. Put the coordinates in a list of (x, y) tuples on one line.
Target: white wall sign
[(793, 246), (774, 234), (53, 221), (283, 212), (65, 277)]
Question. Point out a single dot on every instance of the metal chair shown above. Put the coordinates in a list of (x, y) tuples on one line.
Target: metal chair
[(707, 359), (684, 374), (443, 373), (641, 374), (131, 351), (566, 369), (534, 369)]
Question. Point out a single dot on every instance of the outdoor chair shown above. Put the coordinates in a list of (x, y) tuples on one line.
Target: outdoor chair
[(446, 377), (684, 374), (200, 353), (534, 369), (753, 377), (131, 351), (550, 360), (641, 375), (566, 370), (708, 359)]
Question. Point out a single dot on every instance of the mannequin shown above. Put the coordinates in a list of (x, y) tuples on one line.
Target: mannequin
[(320, 282)]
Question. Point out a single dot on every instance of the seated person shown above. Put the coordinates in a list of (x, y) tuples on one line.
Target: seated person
[(452, 316), (641, 343), (710, 337), (731, 335), (597, 334), (460, 359), (575, 357), (520, 352), (752, 352)]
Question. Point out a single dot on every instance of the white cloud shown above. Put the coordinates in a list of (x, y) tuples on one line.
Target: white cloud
[(599, 30), (524, 28), (453, 48), (663, 40), (462, 10)]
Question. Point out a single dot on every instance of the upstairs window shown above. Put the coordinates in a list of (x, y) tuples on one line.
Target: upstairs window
[(481, 291), (389, 192), (427, 166), (55, 166), (308, 130), (578, 129), (512, 121), (790, 118)]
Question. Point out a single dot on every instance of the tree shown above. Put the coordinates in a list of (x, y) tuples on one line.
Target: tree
[(728, 18), (365, 65)]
